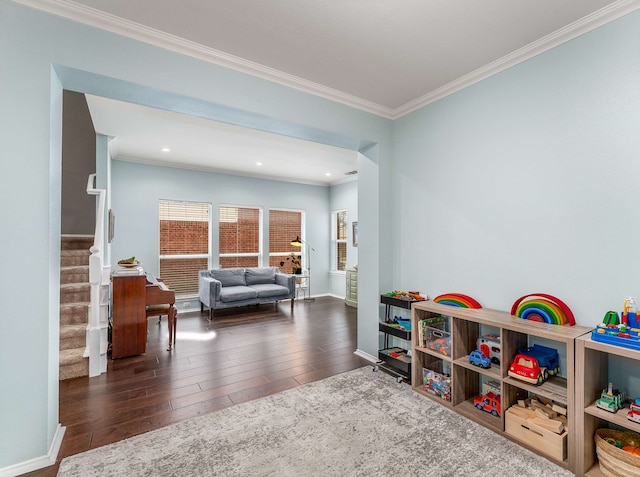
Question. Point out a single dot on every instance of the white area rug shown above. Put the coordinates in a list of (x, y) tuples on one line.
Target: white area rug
[(358, 423)]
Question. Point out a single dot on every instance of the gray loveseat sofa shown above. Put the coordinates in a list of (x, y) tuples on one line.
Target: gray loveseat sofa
[(231, 287)]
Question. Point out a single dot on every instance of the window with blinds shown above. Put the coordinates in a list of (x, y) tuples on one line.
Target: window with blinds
[(339, 236), (184, 244), (240, 232), (284, 226)]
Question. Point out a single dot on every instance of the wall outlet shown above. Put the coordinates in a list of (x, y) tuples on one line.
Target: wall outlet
[(186, 304)]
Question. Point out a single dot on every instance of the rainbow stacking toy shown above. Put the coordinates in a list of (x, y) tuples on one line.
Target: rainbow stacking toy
[(457, 299), (544, 308)]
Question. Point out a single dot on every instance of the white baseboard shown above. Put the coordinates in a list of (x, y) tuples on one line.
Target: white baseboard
[(38, 462), (335, 296), (366, 356)]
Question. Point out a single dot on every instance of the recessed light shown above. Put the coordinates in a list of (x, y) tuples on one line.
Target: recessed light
[(327, 174), (166, 149), (258, 163)]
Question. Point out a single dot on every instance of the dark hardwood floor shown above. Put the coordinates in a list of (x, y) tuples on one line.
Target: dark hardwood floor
[(244, 354)]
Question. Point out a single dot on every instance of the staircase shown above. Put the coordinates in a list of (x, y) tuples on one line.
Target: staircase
[(74, 305)]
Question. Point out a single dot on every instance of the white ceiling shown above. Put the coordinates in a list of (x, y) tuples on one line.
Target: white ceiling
[(140, 133), (382, 56)]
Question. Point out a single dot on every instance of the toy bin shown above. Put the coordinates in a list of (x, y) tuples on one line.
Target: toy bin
[(435, 381), (436, 336), (613, 461), (543, 440)]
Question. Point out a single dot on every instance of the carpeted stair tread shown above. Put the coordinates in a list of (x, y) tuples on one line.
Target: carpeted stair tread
[(71, 356), (73, 364), (75, 242), (73, 336), (70, 258), (75, 292), (75, 296), (74, 274), (74, 313)]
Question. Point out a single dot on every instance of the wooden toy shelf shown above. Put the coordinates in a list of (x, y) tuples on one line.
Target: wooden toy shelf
[(592, 362), (464, 326)]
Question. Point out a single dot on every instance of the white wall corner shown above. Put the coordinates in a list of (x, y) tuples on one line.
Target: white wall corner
[(366, 356), (39, 462)]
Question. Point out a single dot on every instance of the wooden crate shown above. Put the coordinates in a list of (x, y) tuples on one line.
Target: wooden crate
[(542, 440)]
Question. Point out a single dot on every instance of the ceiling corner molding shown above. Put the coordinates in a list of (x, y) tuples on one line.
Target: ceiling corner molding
[(111, 23), (573, 30), (101, 20)]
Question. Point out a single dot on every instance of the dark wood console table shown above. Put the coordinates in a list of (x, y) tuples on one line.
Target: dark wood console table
[(133, 299)]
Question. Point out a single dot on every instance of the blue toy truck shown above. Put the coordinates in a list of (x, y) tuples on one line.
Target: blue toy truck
[(547, 357)]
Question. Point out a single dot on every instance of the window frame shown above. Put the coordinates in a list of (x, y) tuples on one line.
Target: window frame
[(302, 250), (335, 240), (208, 255), (260, 251)]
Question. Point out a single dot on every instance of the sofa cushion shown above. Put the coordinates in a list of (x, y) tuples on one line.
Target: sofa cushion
[(229, 277), (260, 275), (237, 293), (270, 290)]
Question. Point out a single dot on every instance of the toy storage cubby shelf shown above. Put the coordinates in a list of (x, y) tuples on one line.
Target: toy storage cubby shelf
[(465, 326), (592, 363), (399, 366)]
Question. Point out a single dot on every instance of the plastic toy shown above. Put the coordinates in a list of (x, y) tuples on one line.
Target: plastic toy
[(619, 331), (535, 364), (610, 399), (477, 358), (490, 347), (489, 402), (406, 295), (404, 323), (437, 384), (527, 369), (629, 312), (440, 344), (547, 357), (634, 411)]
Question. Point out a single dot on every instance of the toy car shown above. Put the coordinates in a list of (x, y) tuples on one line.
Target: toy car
[(527, 369), (547, 357), (490, 347), (477, 358), (489, 402), (634, 411), (610, 399)]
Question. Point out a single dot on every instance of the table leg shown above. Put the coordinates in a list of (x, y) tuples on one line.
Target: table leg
[(172, 319)]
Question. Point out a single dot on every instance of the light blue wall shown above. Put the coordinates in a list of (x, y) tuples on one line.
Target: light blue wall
[(528, 182), (137, 189), (41, 54), (345, 197), (525, 182)]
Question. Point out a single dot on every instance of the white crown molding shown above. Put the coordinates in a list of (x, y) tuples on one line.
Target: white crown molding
[(98, 19), (573, 30), (105, 21)]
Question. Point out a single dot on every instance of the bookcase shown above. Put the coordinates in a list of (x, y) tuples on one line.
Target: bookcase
[(454, 382), (592, 375)]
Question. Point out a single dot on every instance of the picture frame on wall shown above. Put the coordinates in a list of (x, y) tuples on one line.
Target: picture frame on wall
[(354, 226), (111, 225)]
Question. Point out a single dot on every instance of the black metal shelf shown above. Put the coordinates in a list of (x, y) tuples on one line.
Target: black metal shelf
[(398, 366)]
